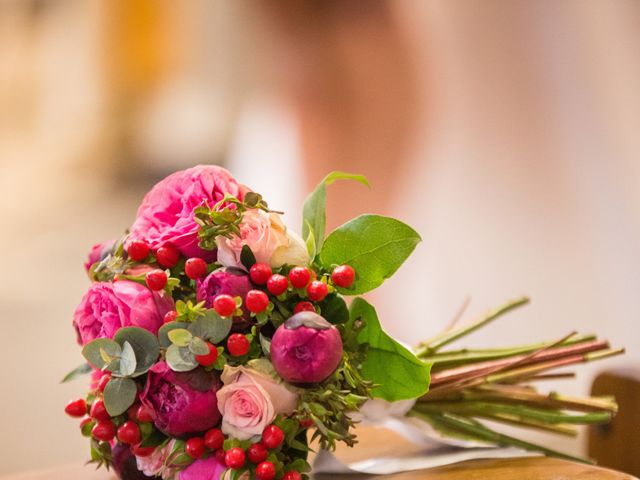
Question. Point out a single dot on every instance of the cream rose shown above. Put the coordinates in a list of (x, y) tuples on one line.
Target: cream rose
[(251, 399), (268, 239)]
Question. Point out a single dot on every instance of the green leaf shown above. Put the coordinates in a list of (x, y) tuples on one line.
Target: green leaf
[(334, 309), (313, 212), (310, 241), (83, 369), (247, 258), (211, 326), (180, 336), (163, 333), (145, 346), (397, 373), (197, 346), (180, 359), (127, 360), (153, 439), (373, 245), (119, 394), (94, 350)]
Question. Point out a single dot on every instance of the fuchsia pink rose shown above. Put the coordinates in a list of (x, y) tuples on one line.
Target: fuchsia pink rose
[(205, 469), (107, 307), (183, 402), (306, 349), (226, 281), (251, 399), (166, 213)]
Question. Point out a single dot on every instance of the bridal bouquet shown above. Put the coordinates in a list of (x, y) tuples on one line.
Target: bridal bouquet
[(221, 345)]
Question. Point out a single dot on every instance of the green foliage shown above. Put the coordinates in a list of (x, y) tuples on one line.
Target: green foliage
[(100, 454), (188, 311), (373, 245), (197, 346), (83, 369), (119, 394), (180, 337), (102, 353), (247, 258), (128, 361), (211, 326), (313, 212), (163, 332), (334, 309), (144, 344), (180, 359), (397, 373)]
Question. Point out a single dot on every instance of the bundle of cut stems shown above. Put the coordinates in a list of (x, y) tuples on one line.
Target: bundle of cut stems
[(497, 384)]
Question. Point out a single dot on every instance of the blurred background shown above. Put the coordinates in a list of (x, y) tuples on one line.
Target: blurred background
[(505, 132)]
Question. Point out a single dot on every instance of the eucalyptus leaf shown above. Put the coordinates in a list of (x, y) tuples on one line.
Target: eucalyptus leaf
[(180, 359), (144, 344), (314, 218), (127, 360), (180, 336), (398, 373), (197, 346), (119, 395), (83, 369), (211, 327), (94, 350), (163, 333), (375, 246)]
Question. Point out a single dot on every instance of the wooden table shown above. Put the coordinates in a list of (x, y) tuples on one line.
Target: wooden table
[(377, 442)]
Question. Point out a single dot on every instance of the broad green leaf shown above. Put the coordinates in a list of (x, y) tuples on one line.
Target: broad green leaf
[(119, 394), (310, 241), (197, 346), (127, 360), (144, 344), (180, 359), (83, 369), (211, 327), (163, 333), (397, 372), (334, 309), (314, 218), (373, 245), (247, 258), (94, 350), (180, 337)]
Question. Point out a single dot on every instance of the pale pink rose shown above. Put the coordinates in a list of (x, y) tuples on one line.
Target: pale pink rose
[(265, 234), (293, 253), (250, 400), (153, 465), (166, 214)]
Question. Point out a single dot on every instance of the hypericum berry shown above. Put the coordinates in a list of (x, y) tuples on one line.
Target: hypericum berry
[(138, 250), (292, 475), (156, 279), (213, 439), (168, 256), (299, 277), (257, 453), (76, 408), (256, 301), (99, 412), (260, 273), (317, 290), (266, 471), (238, 344), (170, 316), (306, 422), (195, 268), (343, 276), (210, 358), (224, 304), (104, 430), (234, 458), (220, 455), (139, 451), (86, 425), (277, 284), (194, 447), (102, 383), (144, 414), (304, 307), (272, 436), (129, 433)]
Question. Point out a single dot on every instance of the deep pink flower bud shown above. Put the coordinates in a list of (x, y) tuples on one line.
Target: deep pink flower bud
[(306, 348)]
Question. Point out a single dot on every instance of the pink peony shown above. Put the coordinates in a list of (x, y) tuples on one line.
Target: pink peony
[(306, 348), (205, 469), (183, 402), (224, 281), (107, 307), (98, 252), (251, 399), (166, 213)]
